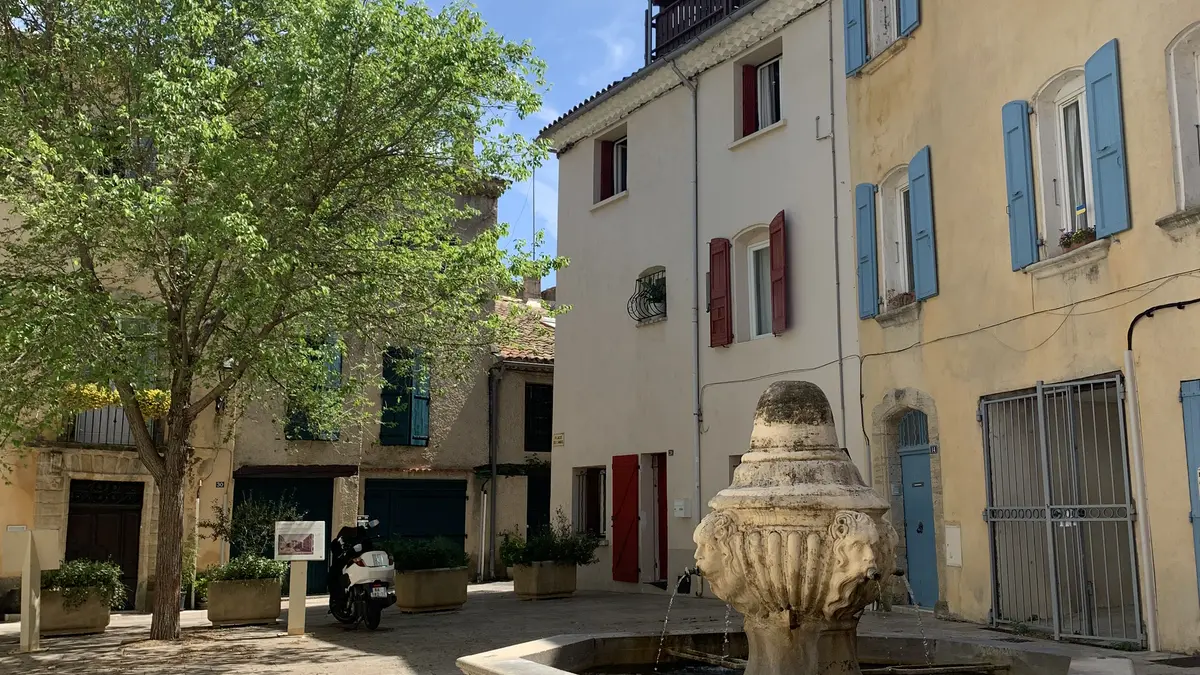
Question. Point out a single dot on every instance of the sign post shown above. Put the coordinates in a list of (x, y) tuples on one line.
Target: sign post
[(32, 551), (298, 542)]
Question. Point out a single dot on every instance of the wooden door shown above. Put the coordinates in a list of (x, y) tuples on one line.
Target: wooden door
[(104, 522)]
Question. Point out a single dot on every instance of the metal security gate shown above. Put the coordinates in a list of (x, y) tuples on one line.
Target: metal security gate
[(1060, 514)]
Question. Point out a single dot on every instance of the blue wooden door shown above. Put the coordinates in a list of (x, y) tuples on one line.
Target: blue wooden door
[(918, 527), (916, 479), (1189, 394)]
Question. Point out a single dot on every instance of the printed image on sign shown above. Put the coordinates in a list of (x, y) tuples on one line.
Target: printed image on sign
[(300, 540)]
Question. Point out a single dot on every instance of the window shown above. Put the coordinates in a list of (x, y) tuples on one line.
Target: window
[(404, 399), (1065, 157), (612, 164), (895, 237), (1183, 82), (768, 94), (589, 502), (881, 20), (539, 417), (620, 165), (300, 425), (760, 289), (648, 304)]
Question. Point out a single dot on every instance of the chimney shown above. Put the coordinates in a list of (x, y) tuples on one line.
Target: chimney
[(533, 288)]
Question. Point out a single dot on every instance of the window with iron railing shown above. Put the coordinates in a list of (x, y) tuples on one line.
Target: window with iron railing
[(649, 300), (678, 22), (104, 426)]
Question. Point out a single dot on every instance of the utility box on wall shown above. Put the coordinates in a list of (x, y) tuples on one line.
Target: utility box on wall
[(682, 508)]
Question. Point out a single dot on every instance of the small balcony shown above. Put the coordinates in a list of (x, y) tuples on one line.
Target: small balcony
[(104, 426), (678, 22)]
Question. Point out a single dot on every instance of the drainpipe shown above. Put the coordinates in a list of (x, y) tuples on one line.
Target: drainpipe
[(837, 257), (1137, 462), (697, 413), (494, 375)]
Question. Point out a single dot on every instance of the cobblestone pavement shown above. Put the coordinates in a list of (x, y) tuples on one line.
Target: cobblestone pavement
[(413, 644)]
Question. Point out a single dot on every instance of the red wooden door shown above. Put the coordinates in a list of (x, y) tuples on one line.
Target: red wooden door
[(625, 518)]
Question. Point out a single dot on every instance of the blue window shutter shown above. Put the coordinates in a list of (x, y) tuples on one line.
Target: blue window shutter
[(856, 35), (910, 16), (868, 270), (395, 421), (1106, 134), (1018, 175), (419, 401), (924, 247)]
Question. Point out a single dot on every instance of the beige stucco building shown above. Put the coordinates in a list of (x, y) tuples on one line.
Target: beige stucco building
[(701, 206), (1037, 485), (90, 485)]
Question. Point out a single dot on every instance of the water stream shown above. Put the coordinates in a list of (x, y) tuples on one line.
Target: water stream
[(725, 644), (920, 624), (663, 638)]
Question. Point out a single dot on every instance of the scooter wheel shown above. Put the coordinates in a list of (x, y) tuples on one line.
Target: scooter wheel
[(374, 614)]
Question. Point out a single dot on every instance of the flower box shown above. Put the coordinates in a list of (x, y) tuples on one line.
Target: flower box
[(86, 619), (544, 580), (244, 603)]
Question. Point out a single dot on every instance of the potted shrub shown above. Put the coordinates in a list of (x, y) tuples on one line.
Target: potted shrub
[(78, 596), (544, 566), (1070, 241), (245, 591), (431, 574)]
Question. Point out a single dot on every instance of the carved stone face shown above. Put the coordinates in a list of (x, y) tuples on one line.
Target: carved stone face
[(860, 559)]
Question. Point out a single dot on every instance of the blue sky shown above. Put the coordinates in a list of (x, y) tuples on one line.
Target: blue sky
[(586, 46)]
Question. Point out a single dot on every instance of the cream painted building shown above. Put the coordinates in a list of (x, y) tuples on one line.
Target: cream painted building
[(426, 477), (1027, 184), (690, 295)]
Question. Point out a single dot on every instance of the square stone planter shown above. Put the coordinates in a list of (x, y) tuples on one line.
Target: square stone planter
[(57, 619), (431, 590), (544, 581), (244, 603)]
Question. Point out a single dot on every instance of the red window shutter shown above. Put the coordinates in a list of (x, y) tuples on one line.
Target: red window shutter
[(606, 170), (779, 265), (720, 318), (749, 100), (625, 518)]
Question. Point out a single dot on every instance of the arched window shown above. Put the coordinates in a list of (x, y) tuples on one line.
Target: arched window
[(895, 240), (752, 282), (1183, 89), (1065, 161), (648, 304)]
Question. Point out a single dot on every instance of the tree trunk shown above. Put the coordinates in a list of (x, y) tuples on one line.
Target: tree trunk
[(168, 567)]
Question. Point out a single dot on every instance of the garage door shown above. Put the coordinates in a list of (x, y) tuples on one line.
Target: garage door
[(418, 508), (313, 496)]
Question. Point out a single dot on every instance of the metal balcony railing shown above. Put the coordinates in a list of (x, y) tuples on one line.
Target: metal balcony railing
[(649, 299), (680, 21), (103, 426)]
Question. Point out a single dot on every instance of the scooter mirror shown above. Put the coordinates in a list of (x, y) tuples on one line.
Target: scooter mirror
[(374, 523), (358, 548)]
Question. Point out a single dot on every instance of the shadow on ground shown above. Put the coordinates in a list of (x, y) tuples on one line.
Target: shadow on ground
[(427, 644)]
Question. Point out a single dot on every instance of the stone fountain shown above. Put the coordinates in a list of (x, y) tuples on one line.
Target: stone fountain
[(799, 546), (798, 543)]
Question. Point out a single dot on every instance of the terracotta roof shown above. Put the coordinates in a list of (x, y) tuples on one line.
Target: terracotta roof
[(535, 333), (587, 103)]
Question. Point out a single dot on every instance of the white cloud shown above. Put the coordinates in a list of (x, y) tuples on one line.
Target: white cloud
[(623, 49), (547, 114)]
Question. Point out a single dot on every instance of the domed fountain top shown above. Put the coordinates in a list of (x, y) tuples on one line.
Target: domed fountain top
[(797, 543)]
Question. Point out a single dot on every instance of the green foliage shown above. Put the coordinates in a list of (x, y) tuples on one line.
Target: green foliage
[(425, 554), (558, 543), (1084, 235), (202, 579), (78, 579), (247, 567), (251, 527)]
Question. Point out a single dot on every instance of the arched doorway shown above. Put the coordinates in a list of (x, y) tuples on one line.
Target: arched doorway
[(916, 480)]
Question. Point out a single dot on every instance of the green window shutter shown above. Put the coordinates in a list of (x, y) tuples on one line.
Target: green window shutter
[(418, 401), (395, 421)]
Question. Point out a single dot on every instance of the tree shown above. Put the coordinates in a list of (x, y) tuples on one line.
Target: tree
[(213, 197)]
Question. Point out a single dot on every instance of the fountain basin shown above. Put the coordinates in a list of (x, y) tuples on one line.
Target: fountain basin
[(634, 654)]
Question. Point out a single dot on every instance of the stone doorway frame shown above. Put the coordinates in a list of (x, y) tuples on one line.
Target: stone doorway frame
[(885, 469)]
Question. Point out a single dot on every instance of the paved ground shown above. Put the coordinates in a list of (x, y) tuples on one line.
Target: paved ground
[(410, 645)]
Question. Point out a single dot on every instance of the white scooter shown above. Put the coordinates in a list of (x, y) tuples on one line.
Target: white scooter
[(361, 577)]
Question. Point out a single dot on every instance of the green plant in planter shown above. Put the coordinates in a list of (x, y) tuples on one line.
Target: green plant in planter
[(1077, 238), (247, 567), (656, 290), (202, 578), (425, 554), (79, 579), (559, 543)]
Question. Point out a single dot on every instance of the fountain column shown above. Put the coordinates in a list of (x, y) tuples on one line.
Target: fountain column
[(798, 543)]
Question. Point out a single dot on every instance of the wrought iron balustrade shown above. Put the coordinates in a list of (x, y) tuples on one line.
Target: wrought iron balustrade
[(678, 22), (649, 300)]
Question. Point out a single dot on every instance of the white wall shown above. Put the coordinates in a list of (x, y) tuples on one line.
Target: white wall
[(625, 389)]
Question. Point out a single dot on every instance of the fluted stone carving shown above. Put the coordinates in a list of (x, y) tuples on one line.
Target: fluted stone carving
[(798, 543)]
